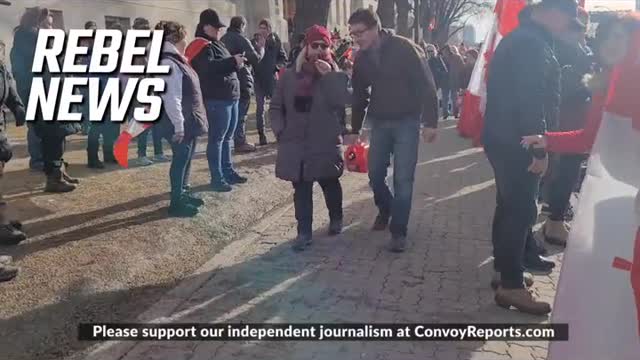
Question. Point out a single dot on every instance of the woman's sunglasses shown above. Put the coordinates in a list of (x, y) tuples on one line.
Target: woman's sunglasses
[(317, 45)]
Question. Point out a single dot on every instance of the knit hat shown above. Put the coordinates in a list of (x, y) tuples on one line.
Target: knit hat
[(317, 33), (210, 17)]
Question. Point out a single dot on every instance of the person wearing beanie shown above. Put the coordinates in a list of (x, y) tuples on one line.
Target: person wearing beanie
[(305, 120), (217, 70)]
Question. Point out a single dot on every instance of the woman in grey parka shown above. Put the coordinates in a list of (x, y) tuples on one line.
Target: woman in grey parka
[(305, 118)]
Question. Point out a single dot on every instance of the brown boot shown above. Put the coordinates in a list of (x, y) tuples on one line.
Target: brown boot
[(57, 184), (66, 177), (496, 281), (556, 232), (244, 148), (522, 300)]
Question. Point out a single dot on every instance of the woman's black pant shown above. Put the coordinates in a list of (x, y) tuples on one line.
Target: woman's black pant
[(303, 200), (180, 171), (52, 151)]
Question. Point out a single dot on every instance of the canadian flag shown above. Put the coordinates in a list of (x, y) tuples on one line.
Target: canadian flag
[(598, 293), (121, 146), (475, 97)]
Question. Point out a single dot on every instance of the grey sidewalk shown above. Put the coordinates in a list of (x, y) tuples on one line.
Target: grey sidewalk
[(443, 277)]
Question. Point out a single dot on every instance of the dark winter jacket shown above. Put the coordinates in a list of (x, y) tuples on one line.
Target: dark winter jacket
[(523, 89), (401, 83), (217, 71), (22, 54), (191, 103), (455, 64), (309, 143), (237, 43), (440, 72), (9, 97), (274, 57), (576, 62)]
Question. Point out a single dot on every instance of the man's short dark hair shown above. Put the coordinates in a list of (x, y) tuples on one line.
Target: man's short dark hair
[(266, 23), (141, 23), (90, 24), (237, 22), (365, 16)]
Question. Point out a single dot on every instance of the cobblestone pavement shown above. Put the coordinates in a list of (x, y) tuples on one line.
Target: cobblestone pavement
[(443, 277)]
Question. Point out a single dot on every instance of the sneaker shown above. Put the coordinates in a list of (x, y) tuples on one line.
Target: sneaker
[(335, 227), (301, 242), (144, 161), (161, 158), (398, 243), (522, 300), (496, 281), (8, 272), (538, 265), (381, 223), (182, 210), (234, 178), (5, 260), (221, 186), (16, 224)]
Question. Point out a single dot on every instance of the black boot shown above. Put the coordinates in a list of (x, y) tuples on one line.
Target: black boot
[(56, 183), (10, 235), (537, 264), (181, 208), (335, 227)]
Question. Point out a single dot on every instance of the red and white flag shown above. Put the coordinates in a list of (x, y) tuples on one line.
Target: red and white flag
[(598, 293), (121, 146), (475, 97)]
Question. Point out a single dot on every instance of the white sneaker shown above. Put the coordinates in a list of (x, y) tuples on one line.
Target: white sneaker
[(5, 260), (144, 161)]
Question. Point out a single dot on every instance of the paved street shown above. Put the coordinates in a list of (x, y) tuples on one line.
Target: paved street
[(443, 277)]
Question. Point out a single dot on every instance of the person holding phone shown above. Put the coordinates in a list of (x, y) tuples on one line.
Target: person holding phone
[(218, 73)]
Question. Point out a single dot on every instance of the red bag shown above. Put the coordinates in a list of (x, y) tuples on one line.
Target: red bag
[(357, 157)]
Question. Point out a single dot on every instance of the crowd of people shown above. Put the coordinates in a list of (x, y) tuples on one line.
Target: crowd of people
[(537, 102)]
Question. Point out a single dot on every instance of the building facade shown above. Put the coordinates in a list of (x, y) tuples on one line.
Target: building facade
[(70, 14)]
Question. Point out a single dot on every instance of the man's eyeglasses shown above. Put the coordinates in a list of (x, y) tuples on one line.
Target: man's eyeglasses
[(358, 33), (317, 45)]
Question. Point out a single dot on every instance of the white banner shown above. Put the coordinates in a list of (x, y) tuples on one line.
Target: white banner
[(595, 298)]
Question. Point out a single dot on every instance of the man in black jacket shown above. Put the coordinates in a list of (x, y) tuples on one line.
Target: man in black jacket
[(10, 231), (274, 57), (523, 96), (217, 70), (441, 77), (576, 61), (237, 43)]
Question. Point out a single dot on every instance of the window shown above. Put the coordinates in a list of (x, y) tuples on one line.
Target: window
[(125, 22), (277, 7)]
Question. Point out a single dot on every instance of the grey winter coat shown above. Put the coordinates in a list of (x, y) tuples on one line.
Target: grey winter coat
[(309, 144)]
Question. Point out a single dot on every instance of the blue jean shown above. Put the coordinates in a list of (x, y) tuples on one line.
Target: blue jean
[(240, 136), (34, 146), (223, 119), (180, 170), (400, 138)]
